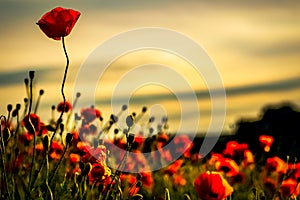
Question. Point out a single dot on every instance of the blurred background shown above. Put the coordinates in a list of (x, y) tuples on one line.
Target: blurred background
[(255, 46)]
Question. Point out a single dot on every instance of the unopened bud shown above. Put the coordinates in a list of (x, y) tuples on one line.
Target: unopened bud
[(88, 167), (129, 121), (69, 138)]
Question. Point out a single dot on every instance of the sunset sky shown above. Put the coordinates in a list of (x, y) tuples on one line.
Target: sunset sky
[(255, 46)]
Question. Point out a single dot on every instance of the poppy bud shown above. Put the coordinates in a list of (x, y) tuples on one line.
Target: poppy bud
[(114, 118), (6, 134), (139, 177), (31, 74), (14, 113), (18, 106), (129, 121), (151, 119), (46, 143), (139, 183), (130, 138), (81, 165), (42, 92), (78, 94), (25, 100), (151, 130), (69, 138), (164, 119), (116, 131), (9, 107), (124, 107), (26, 81), (88, 167), (79, 178), (144, 109)]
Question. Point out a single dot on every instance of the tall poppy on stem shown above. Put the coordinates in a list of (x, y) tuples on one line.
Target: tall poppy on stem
[(57, 24)]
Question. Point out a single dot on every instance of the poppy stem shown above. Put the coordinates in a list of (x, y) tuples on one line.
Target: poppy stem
[(31, 76), (62, 89)]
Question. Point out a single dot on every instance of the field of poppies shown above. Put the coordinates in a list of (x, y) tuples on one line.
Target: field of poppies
[(81, 155)]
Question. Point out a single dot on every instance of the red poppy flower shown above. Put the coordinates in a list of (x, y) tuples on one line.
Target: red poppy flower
[(60, 106), (212, 186), (228, 166), (183, 145), (289, 188), (147, 179), (99, 173), (90, 114), (93, 155), (235, 150), (174, 167), (35, 123), (56, 150), (265, 142), (276, 164), (74, 158), (179, 180), (58, 22)]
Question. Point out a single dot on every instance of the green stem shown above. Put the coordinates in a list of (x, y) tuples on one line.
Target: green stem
[(34, 136), (47, 175), (2, 153), (62, 89)]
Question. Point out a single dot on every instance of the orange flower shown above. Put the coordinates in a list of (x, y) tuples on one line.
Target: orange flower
[(265, 142), (212, 186)]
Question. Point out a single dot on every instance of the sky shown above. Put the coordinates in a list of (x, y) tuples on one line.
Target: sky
[(254, 45)]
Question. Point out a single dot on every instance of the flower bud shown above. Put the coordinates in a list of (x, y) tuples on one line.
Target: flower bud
[(124, 107), (46, 143), (144, 109), (88, 167), (129, 121), (139, 177), (6, 134), (26, 81), (130, 138), (69, 138), (139, 183), (18, 106), (31, 74), (42, 92), (9, 107)]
